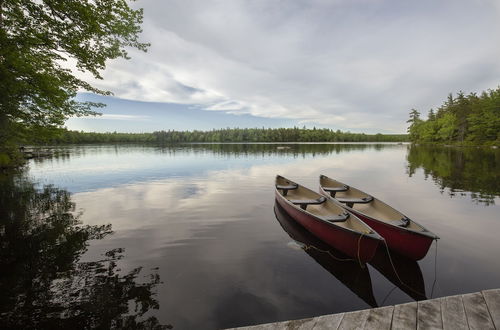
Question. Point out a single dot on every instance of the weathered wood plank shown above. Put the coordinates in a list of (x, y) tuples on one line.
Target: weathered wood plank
[(453, 313), (492, 298), (470, 311), (477, 312), (266, 326), (405, 316), (429, 315), (303, 324), (354, 320), (379, 318), (328, 322)]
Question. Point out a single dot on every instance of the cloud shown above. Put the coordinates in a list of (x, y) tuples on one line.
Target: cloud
[(120, 117), (357, 65)]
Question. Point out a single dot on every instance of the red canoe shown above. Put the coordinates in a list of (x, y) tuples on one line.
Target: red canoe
[(327, 220), (401, 234)]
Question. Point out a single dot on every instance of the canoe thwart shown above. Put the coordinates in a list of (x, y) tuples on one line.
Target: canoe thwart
[(335, 218), (285, 189), (351, 201), (304, 202), (334, 190)]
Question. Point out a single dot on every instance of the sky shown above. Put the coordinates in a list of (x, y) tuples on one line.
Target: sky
[(357, 65)]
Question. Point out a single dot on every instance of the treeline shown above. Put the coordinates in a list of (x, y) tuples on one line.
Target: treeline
[(273, 135), (222, 135), (464, 119)]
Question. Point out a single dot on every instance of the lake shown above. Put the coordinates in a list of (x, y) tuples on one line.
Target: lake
[(189, 236)]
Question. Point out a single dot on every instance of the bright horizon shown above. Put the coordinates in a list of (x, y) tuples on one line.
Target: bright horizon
[(357, 66)]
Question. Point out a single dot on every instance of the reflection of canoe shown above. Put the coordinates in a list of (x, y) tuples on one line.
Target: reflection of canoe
[(401, 234), (327, 220), (410, 281), (357, 279), (347, 271)]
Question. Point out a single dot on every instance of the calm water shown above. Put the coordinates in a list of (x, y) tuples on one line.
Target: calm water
[(190, 237)]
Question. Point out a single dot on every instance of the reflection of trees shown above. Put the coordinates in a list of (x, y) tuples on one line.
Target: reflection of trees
[(460, 169), (275, 149), (236, 150), (43, 283)]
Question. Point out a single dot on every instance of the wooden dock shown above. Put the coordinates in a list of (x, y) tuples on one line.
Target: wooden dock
[(479, 311)]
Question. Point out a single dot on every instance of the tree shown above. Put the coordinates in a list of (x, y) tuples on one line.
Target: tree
[(415, 123), (37, 38), (465, 119)]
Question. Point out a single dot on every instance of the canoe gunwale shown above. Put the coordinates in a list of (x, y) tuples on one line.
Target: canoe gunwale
[(424, 232), (373, 235)]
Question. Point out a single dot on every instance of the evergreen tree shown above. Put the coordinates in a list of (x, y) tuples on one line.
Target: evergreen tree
[(469, 119)]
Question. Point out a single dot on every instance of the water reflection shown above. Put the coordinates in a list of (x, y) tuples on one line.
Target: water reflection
[(293, 149), (403, 272), (237, 150), (43, 282), (461, 170), (205, 217), (86, 168), (348, 271)]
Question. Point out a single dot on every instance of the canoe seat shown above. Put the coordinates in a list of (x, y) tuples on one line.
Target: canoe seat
[(304, 202), (335, 218), (334, 190), (285, 189), (351, 201)]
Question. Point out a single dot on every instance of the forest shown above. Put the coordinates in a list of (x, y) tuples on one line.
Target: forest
[(217, 136), (462, 119)]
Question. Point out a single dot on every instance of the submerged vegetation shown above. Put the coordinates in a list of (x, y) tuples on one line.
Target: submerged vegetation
[(465, 119), (220, 135)]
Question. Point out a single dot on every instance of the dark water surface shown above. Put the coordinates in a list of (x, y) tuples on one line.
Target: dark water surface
[(190, 236)]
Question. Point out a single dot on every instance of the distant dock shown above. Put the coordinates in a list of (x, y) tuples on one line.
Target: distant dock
[(29, 153), (479, 310)]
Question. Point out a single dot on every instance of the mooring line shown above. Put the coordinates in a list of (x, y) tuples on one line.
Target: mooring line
[(397, 275), (308, 246), (435, 269)]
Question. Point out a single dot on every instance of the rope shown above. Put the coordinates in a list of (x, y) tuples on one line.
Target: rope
[(397, 275), (387, 295), (435, 269), (359, 248), (307, 247)]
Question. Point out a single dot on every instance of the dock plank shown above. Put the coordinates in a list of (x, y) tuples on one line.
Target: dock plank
[(405, 316), (492, 298), (429, 315), (453, 313), (477, 312), (328, 322), (305, 324), (379, 318), (302, 324), (354, 320)]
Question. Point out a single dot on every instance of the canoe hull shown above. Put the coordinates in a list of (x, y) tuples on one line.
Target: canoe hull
[(405, 242), (351, 243)]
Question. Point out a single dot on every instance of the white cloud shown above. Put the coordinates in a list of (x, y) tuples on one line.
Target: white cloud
[(357, 65), (120, 117)]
